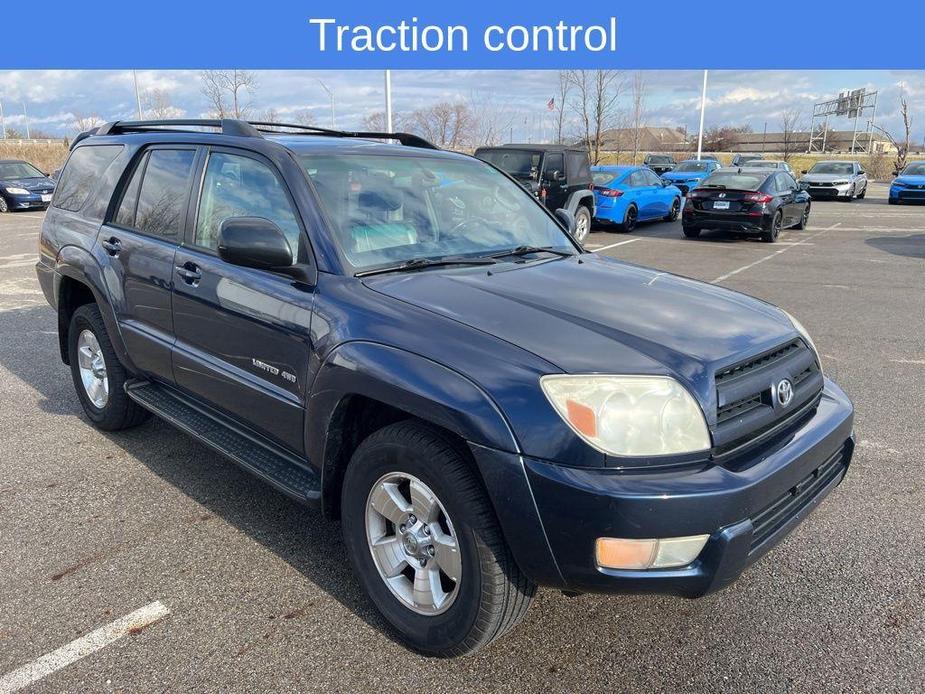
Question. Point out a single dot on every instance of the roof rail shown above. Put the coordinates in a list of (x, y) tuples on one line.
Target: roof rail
[(228, 126), (406, 139)]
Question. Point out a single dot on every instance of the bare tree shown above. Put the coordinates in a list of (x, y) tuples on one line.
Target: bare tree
[(271, 115), (488, 120), (374, 122), (229, 91), (789, 126), (638, 114), (594, 100), (86, 121), (304, 117), (561, 100), (446, 124), (723, 138), (156, 104)]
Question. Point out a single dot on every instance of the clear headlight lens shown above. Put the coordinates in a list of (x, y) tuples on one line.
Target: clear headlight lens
[(629, 415), (805, 335), (17, 191)]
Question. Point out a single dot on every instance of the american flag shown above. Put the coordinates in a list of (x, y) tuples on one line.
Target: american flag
[(551, 104)]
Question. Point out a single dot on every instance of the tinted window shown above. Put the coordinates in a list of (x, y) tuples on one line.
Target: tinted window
[(162, 196), (917, 169), (657, 159), (237, 186), (786, 180), (126, 215), (735, 181), (637, 179), (82, 173), (579, 168), (516, 162), (833, 167), (554, 162), (694, 166)]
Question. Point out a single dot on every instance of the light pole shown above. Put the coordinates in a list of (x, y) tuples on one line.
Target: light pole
[(26, 118), (137, 95), (2, 123), (330, 93), (388, 101), (703, 106)]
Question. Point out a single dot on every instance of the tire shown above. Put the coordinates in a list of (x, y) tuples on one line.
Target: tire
[(776, 223), (863, 193), (490, 596), (3, 206), (691, 232), (672, 215), (891, 201), (630, 219), (850, 196), (116, 411), (582, 223), (804, 218)]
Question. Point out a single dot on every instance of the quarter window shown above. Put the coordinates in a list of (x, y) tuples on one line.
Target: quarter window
[(83, 172), (237, 186)]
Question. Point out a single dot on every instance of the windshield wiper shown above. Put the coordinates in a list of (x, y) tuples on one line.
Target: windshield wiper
[(527, 250), (420, 263)]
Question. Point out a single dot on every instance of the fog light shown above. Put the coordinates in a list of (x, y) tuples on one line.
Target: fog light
[(665, 553)]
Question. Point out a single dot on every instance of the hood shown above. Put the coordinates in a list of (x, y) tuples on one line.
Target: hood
[(685, 175), (910, 180), (600, 315), (826, 178), (43, 185)]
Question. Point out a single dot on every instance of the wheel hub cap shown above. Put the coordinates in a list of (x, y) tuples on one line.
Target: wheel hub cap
[(92, 367), (413, 543)]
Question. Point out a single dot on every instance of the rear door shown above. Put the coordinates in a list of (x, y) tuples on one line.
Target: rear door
[(141, 240), (243, 340)]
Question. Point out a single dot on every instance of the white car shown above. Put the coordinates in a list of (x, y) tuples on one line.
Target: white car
[(833, 180)]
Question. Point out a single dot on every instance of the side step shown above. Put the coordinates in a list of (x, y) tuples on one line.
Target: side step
[(284, 471)]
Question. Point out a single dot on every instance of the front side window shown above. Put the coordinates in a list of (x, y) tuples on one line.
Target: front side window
[(82, 173), (385, 209), (239, 186)]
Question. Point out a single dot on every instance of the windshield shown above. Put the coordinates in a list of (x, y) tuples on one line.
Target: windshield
[(917, 169), (387, 209), (734, 181), (517, 162), (756, 164), (691, 166), (833, 167), (659, 160), (18, 169)]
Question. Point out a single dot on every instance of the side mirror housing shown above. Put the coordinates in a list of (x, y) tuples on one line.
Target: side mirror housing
[(566, 219), (253, 242), (804, 171)]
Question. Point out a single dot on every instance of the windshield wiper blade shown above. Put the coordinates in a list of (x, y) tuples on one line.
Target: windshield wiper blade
[(527, 250), (420, 263)]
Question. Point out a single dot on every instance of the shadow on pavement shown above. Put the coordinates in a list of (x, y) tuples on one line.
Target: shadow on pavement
[(910, 246)]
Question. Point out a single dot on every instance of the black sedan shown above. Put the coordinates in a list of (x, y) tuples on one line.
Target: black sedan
[(746, 201), (23, 187)]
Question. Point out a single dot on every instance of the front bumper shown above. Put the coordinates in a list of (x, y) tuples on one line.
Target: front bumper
[(908, 193), (26, 202), (746, 510), (817, 192)]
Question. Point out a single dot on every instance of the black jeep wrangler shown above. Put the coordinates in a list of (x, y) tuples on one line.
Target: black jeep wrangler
[(559, 175)]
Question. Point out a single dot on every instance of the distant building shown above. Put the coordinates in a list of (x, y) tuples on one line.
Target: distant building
[(837, 141), (651, 139)]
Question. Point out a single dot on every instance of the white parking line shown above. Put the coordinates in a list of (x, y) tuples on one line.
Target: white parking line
[(614, 245), (772, 255), (84, 646)]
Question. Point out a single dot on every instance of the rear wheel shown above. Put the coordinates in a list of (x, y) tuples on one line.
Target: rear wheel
[(776, 223), (582, 224), (691, 232), (674, 211), (425, 542), (98, 375), (630, 218)]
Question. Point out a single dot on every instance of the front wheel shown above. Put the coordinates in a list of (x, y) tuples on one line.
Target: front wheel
[(3, 205), (425, 543), (582, 224), (674, 211), (862, 194), (804, 218)]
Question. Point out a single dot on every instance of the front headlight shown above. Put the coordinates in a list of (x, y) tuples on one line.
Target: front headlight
[(805, 335), (17, 191), (629, 415), (899, 184)]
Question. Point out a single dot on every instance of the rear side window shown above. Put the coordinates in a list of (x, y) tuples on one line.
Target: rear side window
[(553, 163), (83, 172), (237, 186), (155, 198)]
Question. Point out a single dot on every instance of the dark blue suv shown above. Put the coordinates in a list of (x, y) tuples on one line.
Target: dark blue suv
[(409, 339)]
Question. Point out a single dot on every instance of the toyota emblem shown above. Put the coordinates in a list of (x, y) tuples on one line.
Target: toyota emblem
[(784, 392)]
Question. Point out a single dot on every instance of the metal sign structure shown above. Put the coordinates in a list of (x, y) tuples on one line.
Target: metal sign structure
[(852, 105)]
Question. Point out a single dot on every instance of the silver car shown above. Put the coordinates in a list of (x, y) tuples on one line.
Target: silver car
[(831, 180), (776, 164)]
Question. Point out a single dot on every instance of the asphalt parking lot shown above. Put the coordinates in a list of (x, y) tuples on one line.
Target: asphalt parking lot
[(254, 592)]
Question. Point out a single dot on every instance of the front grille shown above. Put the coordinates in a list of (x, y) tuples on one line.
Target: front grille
[(775, 516), (912, 195), (746, 409)]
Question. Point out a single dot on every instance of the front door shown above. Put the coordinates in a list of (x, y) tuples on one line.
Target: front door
[(554, 181), (243, 341), (141, 240)]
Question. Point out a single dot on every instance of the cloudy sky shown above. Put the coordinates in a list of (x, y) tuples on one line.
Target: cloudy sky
[(54, 99)]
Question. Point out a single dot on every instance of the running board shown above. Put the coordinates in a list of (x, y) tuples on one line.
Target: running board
[(283, 470)]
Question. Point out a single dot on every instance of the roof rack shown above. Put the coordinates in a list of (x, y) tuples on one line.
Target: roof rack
[(240, 128)]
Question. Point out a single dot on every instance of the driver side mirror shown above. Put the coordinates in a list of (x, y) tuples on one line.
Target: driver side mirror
[(253, 242), (804, 171), (566, 219)]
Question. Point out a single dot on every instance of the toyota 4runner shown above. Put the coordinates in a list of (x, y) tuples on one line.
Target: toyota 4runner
[(407, 339)]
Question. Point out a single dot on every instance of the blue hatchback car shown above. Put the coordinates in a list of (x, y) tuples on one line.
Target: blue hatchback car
[(909, 186), (625, 195), (688, 174)]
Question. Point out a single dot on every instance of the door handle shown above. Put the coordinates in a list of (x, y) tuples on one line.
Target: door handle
[(112, 245), (190, 273)]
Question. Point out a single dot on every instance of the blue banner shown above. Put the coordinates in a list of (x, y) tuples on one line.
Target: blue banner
[(427, 35)]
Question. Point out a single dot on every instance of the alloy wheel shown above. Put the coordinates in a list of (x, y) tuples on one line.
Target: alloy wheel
[(413, 543), (582, 229), (92, 367), (629, 222)]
